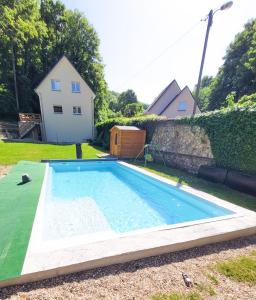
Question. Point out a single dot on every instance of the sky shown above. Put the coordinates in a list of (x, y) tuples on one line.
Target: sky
[(145, 44)]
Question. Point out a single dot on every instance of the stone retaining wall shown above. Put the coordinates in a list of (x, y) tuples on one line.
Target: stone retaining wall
[(182, 146)]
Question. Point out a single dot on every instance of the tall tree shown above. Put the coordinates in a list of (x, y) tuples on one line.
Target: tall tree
[(238, 73), (204, 93), (21, 31), (70, 33), (125, 98), (52, 13), (33, 38), (113, 100)]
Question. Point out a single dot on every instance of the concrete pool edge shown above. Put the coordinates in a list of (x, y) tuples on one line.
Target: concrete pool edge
[(127, 248), (79, 160), (123, 257)]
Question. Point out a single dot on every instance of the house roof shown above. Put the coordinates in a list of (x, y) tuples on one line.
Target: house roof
[(60, 60), (161, 94), (173, 99), (126, 127)]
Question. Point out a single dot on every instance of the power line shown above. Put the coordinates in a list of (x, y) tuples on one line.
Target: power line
[(166, 49)]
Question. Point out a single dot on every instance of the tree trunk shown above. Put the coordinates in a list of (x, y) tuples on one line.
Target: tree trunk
[(15, 80)]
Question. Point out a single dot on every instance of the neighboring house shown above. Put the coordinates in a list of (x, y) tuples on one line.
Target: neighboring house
[(67, 105), (173, 102)]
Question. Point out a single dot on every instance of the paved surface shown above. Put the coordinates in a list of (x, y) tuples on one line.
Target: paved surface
[(17, 210)]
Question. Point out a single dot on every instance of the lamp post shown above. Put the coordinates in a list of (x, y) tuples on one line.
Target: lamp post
[(209, 17)]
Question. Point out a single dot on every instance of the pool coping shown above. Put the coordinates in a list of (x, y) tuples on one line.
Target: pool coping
[(139, 245), (79, 160)]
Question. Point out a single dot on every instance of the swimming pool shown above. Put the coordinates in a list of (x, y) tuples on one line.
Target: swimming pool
[(97, 213), (108, 197)]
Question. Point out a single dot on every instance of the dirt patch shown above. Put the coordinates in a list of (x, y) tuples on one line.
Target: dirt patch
[(144, 278), (4, 170)]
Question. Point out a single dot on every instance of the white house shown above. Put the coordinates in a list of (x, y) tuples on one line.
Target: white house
[(67, 105), (173, 102)]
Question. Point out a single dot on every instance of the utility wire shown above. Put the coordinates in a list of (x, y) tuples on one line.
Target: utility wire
[(166, 49)]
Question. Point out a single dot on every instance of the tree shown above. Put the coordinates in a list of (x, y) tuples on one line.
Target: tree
[(145, 105), (71, 34), (125, 98), (238, 73), (33, 38), (133, 109), (53, 15), (21, 31), (113, 100), (204, 92), (248, 101)]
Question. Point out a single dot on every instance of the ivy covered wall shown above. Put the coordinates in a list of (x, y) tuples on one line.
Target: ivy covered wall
[(231, 132), (232, 135)]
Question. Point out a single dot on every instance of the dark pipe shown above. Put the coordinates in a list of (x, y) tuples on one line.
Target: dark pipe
[(212, 173), (79, 152), (241, 182)]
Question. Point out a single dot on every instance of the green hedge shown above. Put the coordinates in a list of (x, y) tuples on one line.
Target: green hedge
[(144, 122), (232, 133)]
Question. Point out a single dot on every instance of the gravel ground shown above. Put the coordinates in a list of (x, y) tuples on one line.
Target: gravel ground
[(143, 278), (4, 170)]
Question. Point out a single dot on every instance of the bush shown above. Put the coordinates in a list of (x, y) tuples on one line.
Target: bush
[(232, 133), (146, 122), (133, 109), (247, 101)]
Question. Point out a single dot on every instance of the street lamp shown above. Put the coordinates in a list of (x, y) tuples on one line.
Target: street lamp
[(209, 17)]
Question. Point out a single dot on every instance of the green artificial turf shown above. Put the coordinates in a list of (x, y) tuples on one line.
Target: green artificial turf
[(18, 203), (11, 152)]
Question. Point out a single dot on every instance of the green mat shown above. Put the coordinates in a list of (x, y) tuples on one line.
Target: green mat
[(18, 205)]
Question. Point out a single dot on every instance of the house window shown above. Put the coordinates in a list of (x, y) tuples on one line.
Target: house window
[(57, 109), (77, 110), (182, 106), (55, 85), (75, 87), (116, 136)]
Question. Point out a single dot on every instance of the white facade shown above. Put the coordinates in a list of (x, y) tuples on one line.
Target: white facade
[(181, 106), (67, 105), (173, 102)]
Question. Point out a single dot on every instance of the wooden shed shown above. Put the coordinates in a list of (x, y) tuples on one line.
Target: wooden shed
[(127, 141)]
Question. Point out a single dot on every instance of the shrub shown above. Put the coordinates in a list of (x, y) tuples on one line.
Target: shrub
[(232, 133), (247, 101), (133, 109), (147, 122)]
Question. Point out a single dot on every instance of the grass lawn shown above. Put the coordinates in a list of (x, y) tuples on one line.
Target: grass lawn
[(11, 152), (219, 190), (241, 268)]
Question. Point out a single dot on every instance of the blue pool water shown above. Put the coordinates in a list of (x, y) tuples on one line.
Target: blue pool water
[(89, 197)]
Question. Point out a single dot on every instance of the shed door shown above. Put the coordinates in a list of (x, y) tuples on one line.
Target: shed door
[(115, 143)]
